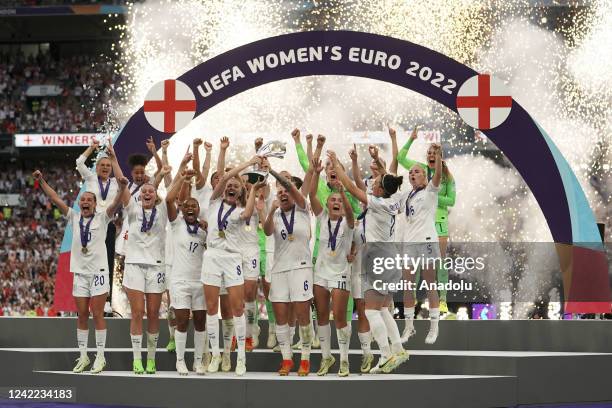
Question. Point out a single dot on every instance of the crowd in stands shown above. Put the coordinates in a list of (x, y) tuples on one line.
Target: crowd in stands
[(86, 82), (30, 237)]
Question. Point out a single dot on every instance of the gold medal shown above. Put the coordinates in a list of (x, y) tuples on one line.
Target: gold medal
[(221, 234), (102, 203), (290, 237), (84, 250), (248, 228)]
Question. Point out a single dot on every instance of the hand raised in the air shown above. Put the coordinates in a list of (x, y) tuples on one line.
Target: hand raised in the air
[(309, 138), (94, 143), (164, 144), (320, 141), (414, 133), (208, 147), (317, 165), (37, 175), (123, 183), (197, 142), (373, 150), (225, 142), (151, 145), (258, 143), (331, 155), (353, 153), (392, 132), (166, 170), (295, 134), (187, 158), (110, 150)]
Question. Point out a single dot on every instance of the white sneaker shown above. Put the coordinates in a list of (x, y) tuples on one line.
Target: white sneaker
[(380, 366), (240, 367), (256, 331), (82, 364), (226, 362), (215, 362), (407, 334), (181, 367), (98, 365), (395, 361), (432, 336), (271, 336), (207, 359), (199, 368)]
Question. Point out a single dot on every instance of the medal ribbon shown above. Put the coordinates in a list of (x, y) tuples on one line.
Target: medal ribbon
[(333, 236), (84, 229), (412, 194), (104, 189), (289, 225), (192, 228), (135, 190), (222, 219), (146, 225)]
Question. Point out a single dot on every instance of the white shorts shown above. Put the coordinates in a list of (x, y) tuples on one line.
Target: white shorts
[(341, 282), (145, 278), (250, 267), (85, 285), (428, 251), (356, 289), (222, 269), (291, 286), (187, 295), (168, 274)]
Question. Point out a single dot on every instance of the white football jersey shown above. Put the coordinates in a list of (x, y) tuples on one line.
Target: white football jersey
[(92, 185), (292, 254), (203, 197), (146, 247), (379, 222), (231, 239), (420, 212), (249, 238), (188, 251), (331, 264), (269, 201), (94, 260)]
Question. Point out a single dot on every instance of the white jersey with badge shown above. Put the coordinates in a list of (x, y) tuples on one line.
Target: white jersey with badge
[(380, 220), (420, 211), (188, 251), (369, 183), (94, 260), (249, 238), (292, 254), (332, 265), (231, 235), (92, 185), (203, 196), (121, 241), (146, 247)]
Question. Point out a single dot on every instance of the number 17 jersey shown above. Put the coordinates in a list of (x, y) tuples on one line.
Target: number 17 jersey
[(188, 251)]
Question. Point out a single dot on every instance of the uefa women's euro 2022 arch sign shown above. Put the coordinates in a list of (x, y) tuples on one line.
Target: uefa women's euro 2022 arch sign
[(481, 100)]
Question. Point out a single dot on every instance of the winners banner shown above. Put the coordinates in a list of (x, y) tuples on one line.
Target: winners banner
[(55, 139)]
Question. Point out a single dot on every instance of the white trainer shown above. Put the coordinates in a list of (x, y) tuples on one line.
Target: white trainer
[(98, 365), (432, 336), (82, 364), (215, 362), (226, 363), (240, 367), (407, 334), (181, 367), (199, 368), (382, 364)]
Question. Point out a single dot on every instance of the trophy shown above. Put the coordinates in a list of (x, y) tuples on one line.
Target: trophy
[(275, 148)]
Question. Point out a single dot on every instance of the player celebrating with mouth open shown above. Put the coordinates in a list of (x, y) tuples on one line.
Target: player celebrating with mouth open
[(145, 275), (89, 265), (332, 270), (420, 237), (222, 266), (383, 205), (291, 275), (186, 294)]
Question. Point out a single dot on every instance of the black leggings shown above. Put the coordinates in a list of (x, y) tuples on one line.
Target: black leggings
[(110, 254)]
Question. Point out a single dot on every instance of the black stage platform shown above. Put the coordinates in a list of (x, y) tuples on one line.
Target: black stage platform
[(473, 364)]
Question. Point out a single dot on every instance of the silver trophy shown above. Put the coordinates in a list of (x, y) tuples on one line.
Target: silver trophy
[(275, 148)]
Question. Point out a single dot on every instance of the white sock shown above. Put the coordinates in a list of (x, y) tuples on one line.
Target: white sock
[(100, 342), (409, 318), (282, 336), (291, 334), (82, 339), (151, 345), (344, 336), (240, 327), (199, 342), (227, 327), (180, 338), (325, 340), (212, 328), (434, 318), (392, 330), (136, 345), (379, 331), (365, 339), (171, 329), (306, 338), (206, 344), (250, 308)]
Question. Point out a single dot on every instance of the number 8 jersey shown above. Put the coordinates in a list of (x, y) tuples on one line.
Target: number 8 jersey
[(188, 251)]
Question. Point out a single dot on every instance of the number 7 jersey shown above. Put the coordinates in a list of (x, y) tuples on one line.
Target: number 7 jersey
[(188, 251)]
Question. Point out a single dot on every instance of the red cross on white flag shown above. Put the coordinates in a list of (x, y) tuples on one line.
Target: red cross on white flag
[(169, 106), (483, 102)]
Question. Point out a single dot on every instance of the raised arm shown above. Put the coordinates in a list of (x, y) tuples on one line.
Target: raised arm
[(394, 151), (438, 166), (316, 167), (83, 170), (268, 226), (221, 160), (309, 147), (249, 209), (232, 173), (49, 192), (305, 190), (374, 154), (403, 153), (319, 148), (168, 178), (153, 150), (348, 210), (355, 169), (159, 176), (117, 172), (206, 165), (197, 142), (299, 199), (173, 193), (116, 204), (302, 155), (345, 180)]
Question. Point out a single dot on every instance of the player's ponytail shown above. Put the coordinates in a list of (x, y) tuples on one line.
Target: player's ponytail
[(390, 184)]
